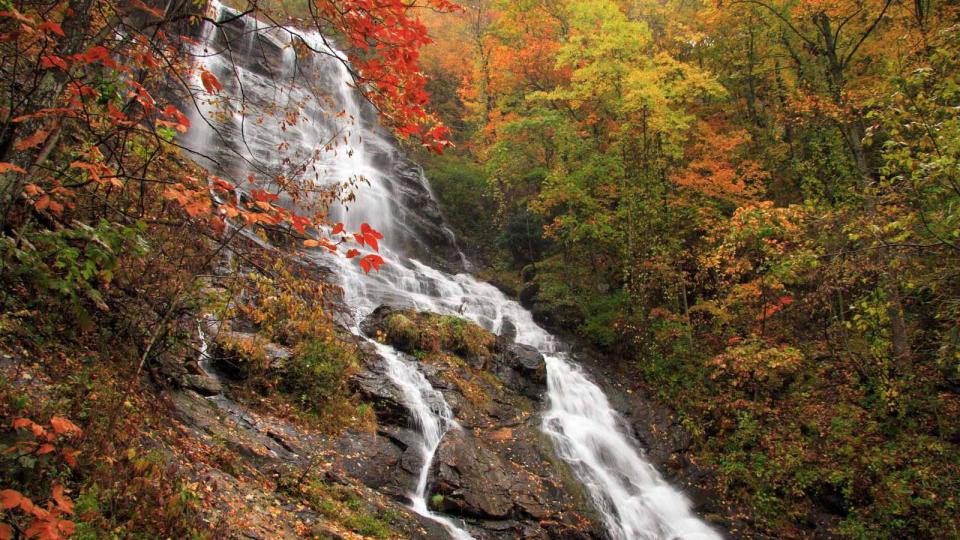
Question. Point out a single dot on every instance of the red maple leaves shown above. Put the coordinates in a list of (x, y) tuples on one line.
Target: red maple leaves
[(366, 236), (388, 42)]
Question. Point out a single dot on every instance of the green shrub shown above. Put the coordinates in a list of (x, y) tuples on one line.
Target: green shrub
[(318, 372)]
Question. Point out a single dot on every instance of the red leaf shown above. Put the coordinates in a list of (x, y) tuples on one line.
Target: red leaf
[(263, 196), (300, 223), (210, 82), (337, 229), (371, 262), (52, 60), (94, 54), (368, 236), (45, 448), (6, 532), (183, 123), (366, 229), (352, 253), (50, 26)]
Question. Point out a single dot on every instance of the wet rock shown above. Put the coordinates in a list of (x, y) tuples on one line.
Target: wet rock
[(473, 480), (375, 461), (504, 483), (522, 369), (414, 205), (500, 472), (374, 386)]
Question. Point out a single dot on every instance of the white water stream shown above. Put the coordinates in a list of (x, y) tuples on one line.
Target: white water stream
[(630, 495)]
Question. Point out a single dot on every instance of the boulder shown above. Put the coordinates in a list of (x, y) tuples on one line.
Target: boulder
[(522, 369), (433, 241), (376, 461), (374, 386), (505, 483), (202, 383), (473, 480)]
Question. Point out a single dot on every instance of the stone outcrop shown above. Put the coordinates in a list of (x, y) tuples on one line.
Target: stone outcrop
[(497, 472)]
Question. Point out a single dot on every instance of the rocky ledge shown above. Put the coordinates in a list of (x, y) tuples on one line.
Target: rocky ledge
[(498, 473)]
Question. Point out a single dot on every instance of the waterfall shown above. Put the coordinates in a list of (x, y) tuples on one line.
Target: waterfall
[(335, 138), (433, 417)]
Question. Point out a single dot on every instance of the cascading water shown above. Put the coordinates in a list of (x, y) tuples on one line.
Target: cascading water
[(632, 498), (432, 415)]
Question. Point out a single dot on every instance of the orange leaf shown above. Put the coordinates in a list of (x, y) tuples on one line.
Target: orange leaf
[(8, 167), (69, 456), (66, 527), (6, 532), (10, 499), (45, 448), (63, 502), (229, 211), (32, 141), (62, 426), (56, 207)]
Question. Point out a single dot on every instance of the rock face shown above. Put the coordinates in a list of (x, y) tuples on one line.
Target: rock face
[(497, 472), (431, 240), (503, 481)]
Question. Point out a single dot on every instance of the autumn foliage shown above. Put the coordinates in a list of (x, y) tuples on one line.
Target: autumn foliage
[(754, 204)]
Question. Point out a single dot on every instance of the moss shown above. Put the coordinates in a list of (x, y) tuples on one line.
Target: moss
[(429, 332), (464, 338), (402, 331)]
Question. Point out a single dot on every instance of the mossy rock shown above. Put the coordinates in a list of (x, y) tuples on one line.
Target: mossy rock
[(419, 333)]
